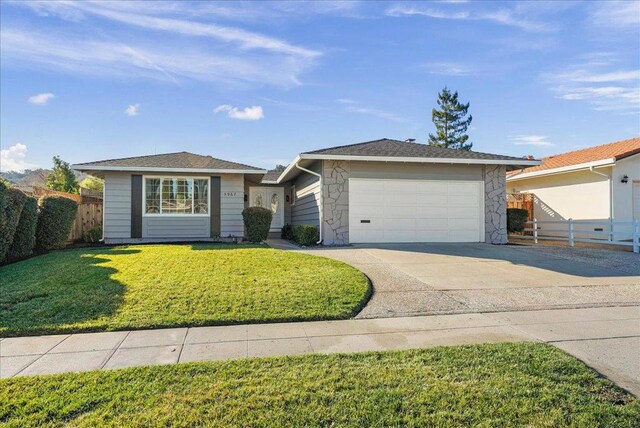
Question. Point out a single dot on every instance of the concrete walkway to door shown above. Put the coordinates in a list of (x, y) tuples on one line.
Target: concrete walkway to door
[(607, 339)]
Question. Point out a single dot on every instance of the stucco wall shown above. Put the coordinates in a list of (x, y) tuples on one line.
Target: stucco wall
[(622, 192), (495, 204), (580, 195)]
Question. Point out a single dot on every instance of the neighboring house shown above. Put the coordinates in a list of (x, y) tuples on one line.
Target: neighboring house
[(596, 183), (377, 191)]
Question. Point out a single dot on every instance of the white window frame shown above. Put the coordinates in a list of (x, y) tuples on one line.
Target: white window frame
[(293, 195), (175, 177)]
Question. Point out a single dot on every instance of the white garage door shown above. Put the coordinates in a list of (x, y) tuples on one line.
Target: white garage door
[(415, 211)]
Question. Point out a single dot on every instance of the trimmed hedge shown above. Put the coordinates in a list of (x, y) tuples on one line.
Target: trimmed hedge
[(25, 237), (93, 235), (3, 207), (516, 219), (257, 222), (305, 234), (54, 222), (10, 218), (287, 232)]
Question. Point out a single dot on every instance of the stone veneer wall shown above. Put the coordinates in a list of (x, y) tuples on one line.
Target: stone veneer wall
[(335, 193), (495, 204)]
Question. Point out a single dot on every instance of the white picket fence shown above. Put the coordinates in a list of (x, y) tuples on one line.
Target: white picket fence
[(626, 233)]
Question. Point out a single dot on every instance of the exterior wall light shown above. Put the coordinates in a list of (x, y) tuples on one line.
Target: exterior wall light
[(625, 179)]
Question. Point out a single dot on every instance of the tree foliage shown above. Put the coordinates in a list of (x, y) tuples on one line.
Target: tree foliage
[(93, 183), (62, 178), (451, 121)]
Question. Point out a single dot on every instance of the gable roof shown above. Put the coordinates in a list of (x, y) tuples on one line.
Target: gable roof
[(389, 148), (179, 162), (271, 176), (578, 159)]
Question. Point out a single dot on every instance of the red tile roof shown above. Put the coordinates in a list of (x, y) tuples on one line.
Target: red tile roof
[(618, 150)]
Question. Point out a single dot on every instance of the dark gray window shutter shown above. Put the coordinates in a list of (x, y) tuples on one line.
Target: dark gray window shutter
[(136, 206), (214, 209)]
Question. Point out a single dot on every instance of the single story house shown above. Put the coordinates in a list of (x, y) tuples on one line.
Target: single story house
[(595, 183), (373, 192)]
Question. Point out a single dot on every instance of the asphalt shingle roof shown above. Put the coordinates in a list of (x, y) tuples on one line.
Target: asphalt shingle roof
[(394, 148), (180, 160), (617, 150), (272, 175)]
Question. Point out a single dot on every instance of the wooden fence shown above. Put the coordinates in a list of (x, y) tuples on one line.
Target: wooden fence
[(40, 191), (87, 217), (522, 201)]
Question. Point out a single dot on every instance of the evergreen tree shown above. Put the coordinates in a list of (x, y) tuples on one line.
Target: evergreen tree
[(451, 122), (62, 178)]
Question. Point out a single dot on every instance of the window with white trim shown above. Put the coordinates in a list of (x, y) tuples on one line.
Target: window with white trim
[(176, 195)]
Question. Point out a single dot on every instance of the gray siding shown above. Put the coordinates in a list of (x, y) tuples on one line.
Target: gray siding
[(232, 204), (175, 227), (306, 210), (117, 205), (117, 212), (416, 171)]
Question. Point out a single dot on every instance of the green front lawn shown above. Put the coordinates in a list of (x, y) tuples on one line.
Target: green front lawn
[(147, 286), (524, 384)]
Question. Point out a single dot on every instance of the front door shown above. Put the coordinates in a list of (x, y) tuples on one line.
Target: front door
[(271, 198)]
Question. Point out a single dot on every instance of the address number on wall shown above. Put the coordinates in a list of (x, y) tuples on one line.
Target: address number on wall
[(230, 194)]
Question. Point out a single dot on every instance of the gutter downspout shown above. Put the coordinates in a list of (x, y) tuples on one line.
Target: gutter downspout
[(320, 208), (591, 168)]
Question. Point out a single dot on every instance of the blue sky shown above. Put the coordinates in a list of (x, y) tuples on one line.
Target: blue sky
[(260, 82)]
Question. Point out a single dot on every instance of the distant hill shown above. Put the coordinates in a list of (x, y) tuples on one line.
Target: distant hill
[(32, 177)]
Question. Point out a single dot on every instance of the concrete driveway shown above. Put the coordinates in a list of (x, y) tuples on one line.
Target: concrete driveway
[(423, 279), (553, 294)]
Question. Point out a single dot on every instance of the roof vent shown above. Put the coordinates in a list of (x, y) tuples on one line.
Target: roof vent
[(410, 140)]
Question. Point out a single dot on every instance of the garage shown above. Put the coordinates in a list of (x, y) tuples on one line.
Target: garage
[(397, 210)]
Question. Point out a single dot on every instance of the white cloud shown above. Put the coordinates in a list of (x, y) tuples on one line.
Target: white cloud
[(616, 14), (503, 16), (375, 112), (612, 76), (248, 113), (245, 39), (190, 48), (164, 62), (596, 81), (41, 99), (447, 68), (353, 107), (15, 159), (531, 140), (132, 110)]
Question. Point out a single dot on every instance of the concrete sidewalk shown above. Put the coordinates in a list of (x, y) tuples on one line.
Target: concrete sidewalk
[(608, 339)]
